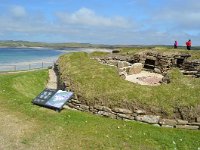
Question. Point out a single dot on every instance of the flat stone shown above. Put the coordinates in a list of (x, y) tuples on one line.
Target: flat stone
[(187, 127), (71, 105), (92, 109), (156, 70), (120, 64), (124, 111), (78, 108), (195, 124), (124, 116), (67, 107), (156, 125), (98, 107), (151, 119), (112, 62), (107, 114), (75, 101), (135, 68), (134, 114), (103, 108), (140, 112), (84, 107), (170, 122), (181, 122), (119, 118), (198, 119), (167, 126), (151, 57)]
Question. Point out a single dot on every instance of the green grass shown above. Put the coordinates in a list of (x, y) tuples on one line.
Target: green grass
[(98, 83), (78, 130), (161, 49)]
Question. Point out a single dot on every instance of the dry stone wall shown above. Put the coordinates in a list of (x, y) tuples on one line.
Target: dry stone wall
[(153, 61), (192, 68), (136, 115)]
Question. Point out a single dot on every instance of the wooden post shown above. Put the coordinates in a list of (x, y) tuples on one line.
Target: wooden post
[(29, 66), (42, 65), (15, 67)]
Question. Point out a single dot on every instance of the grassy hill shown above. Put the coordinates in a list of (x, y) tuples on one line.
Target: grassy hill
[(51, 45), (11, 43)]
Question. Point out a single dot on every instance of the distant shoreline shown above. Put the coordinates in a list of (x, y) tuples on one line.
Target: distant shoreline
[(26, 47), (67, 49)]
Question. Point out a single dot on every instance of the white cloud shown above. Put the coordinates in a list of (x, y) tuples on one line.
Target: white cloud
[(85, 16), (177, 15), (18, 11), (163, 26)]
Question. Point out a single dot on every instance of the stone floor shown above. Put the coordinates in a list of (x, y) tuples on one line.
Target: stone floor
[(145, 78)]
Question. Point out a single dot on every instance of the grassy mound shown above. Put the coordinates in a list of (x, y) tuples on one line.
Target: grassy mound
[(27, 126), (100, 84)]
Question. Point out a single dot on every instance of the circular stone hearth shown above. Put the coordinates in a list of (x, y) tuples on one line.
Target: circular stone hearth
[(145, 78)]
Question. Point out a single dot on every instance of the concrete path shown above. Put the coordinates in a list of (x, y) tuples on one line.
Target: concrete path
[(52, 82)]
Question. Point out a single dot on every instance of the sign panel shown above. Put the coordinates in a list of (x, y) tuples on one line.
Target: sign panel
[(51, 98)]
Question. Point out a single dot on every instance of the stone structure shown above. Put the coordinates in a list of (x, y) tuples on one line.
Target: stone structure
[(149, 60), (135, 115), (152, 61), (191, 68)]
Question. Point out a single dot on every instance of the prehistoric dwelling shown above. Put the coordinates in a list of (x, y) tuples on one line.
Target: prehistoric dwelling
[(152, 61), (146, 68)]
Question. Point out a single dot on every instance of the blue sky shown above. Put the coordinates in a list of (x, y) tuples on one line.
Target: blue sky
[(101, 21)]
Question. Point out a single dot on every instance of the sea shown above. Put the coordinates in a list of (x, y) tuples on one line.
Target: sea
[(12, 59)]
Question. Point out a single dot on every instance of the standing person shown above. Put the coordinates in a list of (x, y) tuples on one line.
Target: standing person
[(175, 44), (188, 44)]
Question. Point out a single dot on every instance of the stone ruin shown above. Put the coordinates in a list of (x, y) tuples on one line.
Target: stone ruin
[(130, 65), (153, 62)]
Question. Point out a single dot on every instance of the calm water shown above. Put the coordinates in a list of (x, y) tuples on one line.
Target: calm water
[(20, 55), (12, 59), (26, 58)]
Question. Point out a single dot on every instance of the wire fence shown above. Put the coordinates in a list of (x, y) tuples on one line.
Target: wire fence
[(25, 66)]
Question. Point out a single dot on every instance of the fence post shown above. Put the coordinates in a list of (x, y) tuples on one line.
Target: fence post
[(15, 67), (29, 66), (42, 65)]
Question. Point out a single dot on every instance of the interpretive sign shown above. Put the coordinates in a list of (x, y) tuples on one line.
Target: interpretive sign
[(51, 98)]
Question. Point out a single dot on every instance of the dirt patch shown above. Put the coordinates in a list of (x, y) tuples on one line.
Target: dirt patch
[(145, 78), (13, 130)]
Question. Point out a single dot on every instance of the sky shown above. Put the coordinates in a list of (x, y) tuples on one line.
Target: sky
[(127, 22)]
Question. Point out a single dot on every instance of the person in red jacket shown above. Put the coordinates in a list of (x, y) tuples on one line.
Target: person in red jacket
[(188, 44)]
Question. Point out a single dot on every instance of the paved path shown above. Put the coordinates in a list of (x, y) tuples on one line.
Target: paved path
[(52, 82)]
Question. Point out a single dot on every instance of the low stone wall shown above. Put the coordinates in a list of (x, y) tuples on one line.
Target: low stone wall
[(153, 61), (136, 115)]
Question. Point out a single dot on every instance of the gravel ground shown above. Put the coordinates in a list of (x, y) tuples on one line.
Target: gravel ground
[(52, 82)]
